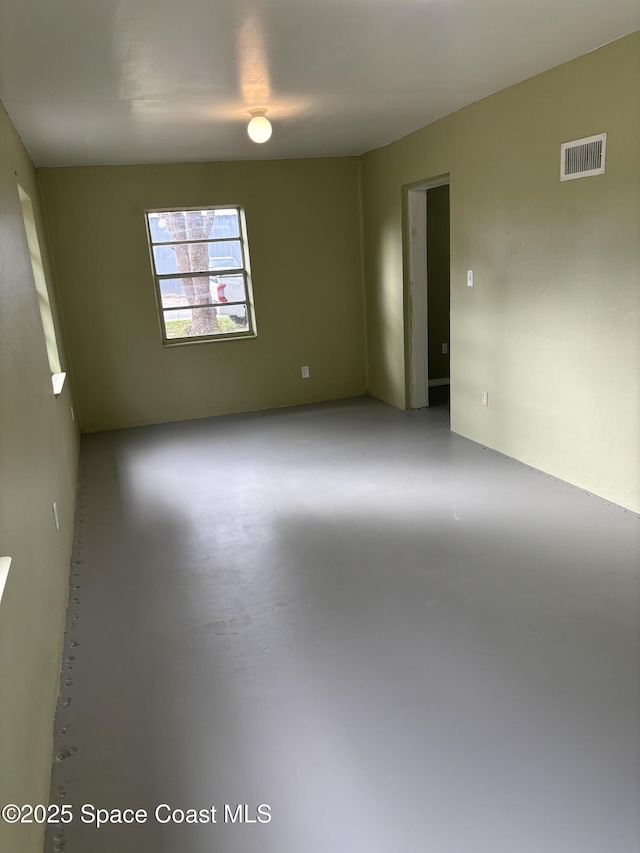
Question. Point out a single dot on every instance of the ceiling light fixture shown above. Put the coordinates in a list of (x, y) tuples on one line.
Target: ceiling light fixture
[(259, 128)]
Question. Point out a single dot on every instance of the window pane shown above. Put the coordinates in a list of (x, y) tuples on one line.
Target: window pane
[(233, 319), (197, 257), (225, 224), (191, 257), (228, 288), (197, 322), (175, 226), (191, 290), (202, 290), (225, 255)]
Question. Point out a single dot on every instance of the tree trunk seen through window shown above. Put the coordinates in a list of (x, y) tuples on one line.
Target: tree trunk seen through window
[(191, 257)]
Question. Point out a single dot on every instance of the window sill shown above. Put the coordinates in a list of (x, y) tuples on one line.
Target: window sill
[(181, 342), (5, 565), (57, 380)]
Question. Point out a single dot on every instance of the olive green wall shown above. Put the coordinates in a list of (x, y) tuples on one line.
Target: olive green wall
[(438, 279), (38, 465), (552, 327), (304, 236)]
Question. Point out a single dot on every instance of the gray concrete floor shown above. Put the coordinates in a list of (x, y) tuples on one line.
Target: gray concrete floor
[(395, 638)]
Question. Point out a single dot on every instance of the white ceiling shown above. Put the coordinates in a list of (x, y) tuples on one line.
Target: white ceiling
[(147, 81)]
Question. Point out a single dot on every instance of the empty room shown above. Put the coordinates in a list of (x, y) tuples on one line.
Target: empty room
[(319, 427)]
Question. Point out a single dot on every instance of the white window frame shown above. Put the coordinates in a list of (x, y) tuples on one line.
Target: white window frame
[(244, 270)]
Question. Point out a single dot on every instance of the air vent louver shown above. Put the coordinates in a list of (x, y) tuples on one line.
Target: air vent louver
[(583, 157)]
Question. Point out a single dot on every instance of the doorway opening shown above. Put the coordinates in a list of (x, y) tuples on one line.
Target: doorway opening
[(426, 226)]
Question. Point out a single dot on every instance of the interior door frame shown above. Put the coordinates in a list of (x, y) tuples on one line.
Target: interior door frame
[(415, 289)]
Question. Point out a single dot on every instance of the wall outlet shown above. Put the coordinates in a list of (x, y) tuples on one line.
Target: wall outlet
[(469, 278), (305, 372), (484, 398), (56, 520), (445, 349)]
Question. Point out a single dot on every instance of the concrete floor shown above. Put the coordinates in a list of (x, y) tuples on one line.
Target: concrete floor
[(397, 639)]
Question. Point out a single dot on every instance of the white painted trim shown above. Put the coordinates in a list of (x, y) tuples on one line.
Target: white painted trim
[(5, 565), (434, 383)]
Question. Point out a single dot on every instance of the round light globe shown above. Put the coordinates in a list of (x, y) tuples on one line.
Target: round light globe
[(259, 129)]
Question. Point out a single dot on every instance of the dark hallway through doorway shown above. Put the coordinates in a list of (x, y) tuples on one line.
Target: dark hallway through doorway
[(438, 293)]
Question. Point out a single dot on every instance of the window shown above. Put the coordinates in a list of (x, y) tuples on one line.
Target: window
[(57, 376), (201, 270)]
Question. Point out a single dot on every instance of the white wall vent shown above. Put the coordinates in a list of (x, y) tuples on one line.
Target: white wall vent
[(583, 157)]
